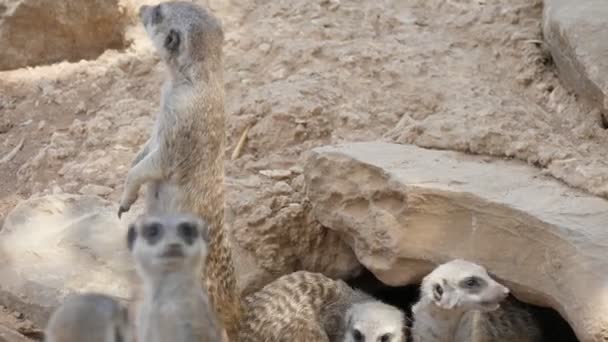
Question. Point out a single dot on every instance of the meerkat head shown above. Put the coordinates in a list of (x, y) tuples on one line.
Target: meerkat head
[(374, 322), (463, 285), (184, 33), (166, 244)]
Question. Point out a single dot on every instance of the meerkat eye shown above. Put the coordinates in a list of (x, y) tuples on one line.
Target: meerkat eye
[(172, 40), (188, 231), (472, 282), (152, 232), (357, 335), (385, 338)]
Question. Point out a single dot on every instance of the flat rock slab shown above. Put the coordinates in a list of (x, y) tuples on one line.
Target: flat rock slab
[(54, 246), (576, 32), (405, 209), (32, 32)]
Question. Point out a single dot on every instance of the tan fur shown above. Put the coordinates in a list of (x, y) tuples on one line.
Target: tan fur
[(183, 162), (89, 317), (301, 306), (169, 252), (451, 309)]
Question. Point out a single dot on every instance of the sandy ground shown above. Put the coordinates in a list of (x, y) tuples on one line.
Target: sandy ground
[(453, 74)]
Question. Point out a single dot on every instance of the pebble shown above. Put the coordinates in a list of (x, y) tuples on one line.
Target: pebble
[(259, 215), (282, 188), (276, 174), (96, 190)]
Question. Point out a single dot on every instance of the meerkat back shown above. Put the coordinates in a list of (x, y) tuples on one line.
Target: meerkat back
[(89, 317), (513, 321)]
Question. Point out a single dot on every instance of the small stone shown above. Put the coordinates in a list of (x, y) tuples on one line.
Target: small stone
[(282, 188), (259, 215), (81, 108), (97, 190), (41, 125), (264, 47), (296, 169), (276, 174), (5, 126)]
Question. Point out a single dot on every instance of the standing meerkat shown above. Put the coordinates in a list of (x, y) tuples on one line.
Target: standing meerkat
[(374, 321), (460, 302), (169, 253), (183, 161), (89, 317), (182, 164)]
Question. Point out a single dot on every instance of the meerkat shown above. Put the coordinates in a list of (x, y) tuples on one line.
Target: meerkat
[(182, 163), (460, 302), (374, 321), (89, 317), (308, 306), (169, 253)]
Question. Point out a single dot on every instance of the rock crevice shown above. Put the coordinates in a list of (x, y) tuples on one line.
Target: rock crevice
[(405, 209)]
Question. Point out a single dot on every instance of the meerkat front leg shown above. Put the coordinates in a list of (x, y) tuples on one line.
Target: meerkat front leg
[(143, 151), (147, 170)]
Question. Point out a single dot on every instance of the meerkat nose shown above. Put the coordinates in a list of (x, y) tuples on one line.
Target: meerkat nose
[(174, 246)]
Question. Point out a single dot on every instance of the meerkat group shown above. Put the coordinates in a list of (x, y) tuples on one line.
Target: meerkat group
[(180, 243)]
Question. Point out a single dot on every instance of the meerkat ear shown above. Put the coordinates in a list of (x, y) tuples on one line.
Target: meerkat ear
[(131, 235), (446, 301), (437, 292)]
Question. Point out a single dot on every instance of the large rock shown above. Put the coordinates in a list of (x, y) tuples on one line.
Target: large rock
[(576, 32), (404, 209), (54, 246), (36, 32)]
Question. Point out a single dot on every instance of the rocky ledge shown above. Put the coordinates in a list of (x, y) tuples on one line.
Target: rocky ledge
[(575, 32), (404, 209)]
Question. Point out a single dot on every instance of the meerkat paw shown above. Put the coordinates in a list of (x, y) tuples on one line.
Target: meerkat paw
[(125, 205), (122, 210)]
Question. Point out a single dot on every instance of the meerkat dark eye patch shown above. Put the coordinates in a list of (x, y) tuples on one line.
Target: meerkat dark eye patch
[(131, 236), (172, 40), (358, 336), (472, 283), (188, 231), (385, 338), (152, 232)]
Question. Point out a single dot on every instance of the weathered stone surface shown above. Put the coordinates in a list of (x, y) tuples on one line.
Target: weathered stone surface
[(57, 245), (404, 209), (576, 32), (36, 32), (9, 335)]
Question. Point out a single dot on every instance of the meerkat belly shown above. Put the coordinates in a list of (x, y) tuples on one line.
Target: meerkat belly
[(161, 197), (171, 321)]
